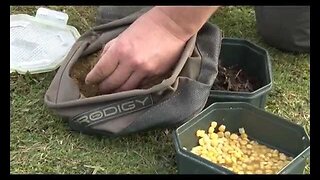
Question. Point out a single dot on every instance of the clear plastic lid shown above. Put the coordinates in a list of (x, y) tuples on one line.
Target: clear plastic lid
[(40, 43)]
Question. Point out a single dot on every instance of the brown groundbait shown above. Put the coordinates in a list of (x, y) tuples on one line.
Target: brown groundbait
[(82, 67)]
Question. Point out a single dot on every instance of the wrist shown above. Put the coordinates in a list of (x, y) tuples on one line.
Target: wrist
[(182, 22), (165, 22)]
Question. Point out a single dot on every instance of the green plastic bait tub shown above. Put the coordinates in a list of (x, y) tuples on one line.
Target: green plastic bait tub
[(253, 60), (266, 128)]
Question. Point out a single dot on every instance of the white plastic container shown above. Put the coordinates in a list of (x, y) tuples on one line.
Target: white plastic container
[(40, 43)]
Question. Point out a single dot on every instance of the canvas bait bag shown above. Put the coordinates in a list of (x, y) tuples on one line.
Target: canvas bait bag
[(166, 104)]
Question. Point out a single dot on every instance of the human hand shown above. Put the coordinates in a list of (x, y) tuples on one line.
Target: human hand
[(144, 50)]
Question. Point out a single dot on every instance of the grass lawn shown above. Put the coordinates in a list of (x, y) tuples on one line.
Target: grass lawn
[(41, 142)]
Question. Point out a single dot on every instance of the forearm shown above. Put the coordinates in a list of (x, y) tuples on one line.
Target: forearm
[(183, 21)]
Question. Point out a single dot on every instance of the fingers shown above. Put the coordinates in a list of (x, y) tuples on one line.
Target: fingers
[(116, 79), (107, 46), (132, 83), (105, 66), (112, 74)]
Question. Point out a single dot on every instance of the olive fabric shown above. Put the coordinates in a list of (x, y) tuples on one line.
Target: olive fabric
[(106, 14), (285, 27), (164, 105)]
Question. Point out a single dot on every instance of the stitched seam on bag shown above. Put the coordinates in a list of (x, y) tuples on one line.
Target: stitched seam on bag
[(215, 54)]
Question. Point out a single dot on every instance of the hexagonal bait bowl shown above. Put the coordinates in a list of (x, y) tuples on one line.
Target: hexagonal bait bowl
[(261, 126), (250, 59)]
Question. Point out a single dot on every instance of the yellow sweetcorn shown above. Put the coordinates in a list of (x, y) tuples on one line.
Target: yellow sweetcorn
[(196, 150), (214, 142), (234, 136), (211, 130), (243, 142), (227, 134), (282, 156), (201, 142), (242, 131), (213, 136), (200, 133), (214, 124), (222, 128), (237, 152), (220, 134), (206, 139)]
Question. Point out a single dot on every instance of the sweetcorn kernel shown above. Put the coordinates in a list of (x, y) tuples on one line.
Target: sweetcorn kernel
[(214, 143), (258, 171), (225, 148), (214, 124), (243, 142), (206, 157), (244, 136), (211, 130), (282, 156), (220, 134), (227, 134), (196, 150), (222, 161), (228, 160), (242, 131), (200, 133), (222, 128), (234, 136), (250, 168), (255, 166), (269, 171), (214, 136), (201, 142), (206, 139)]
